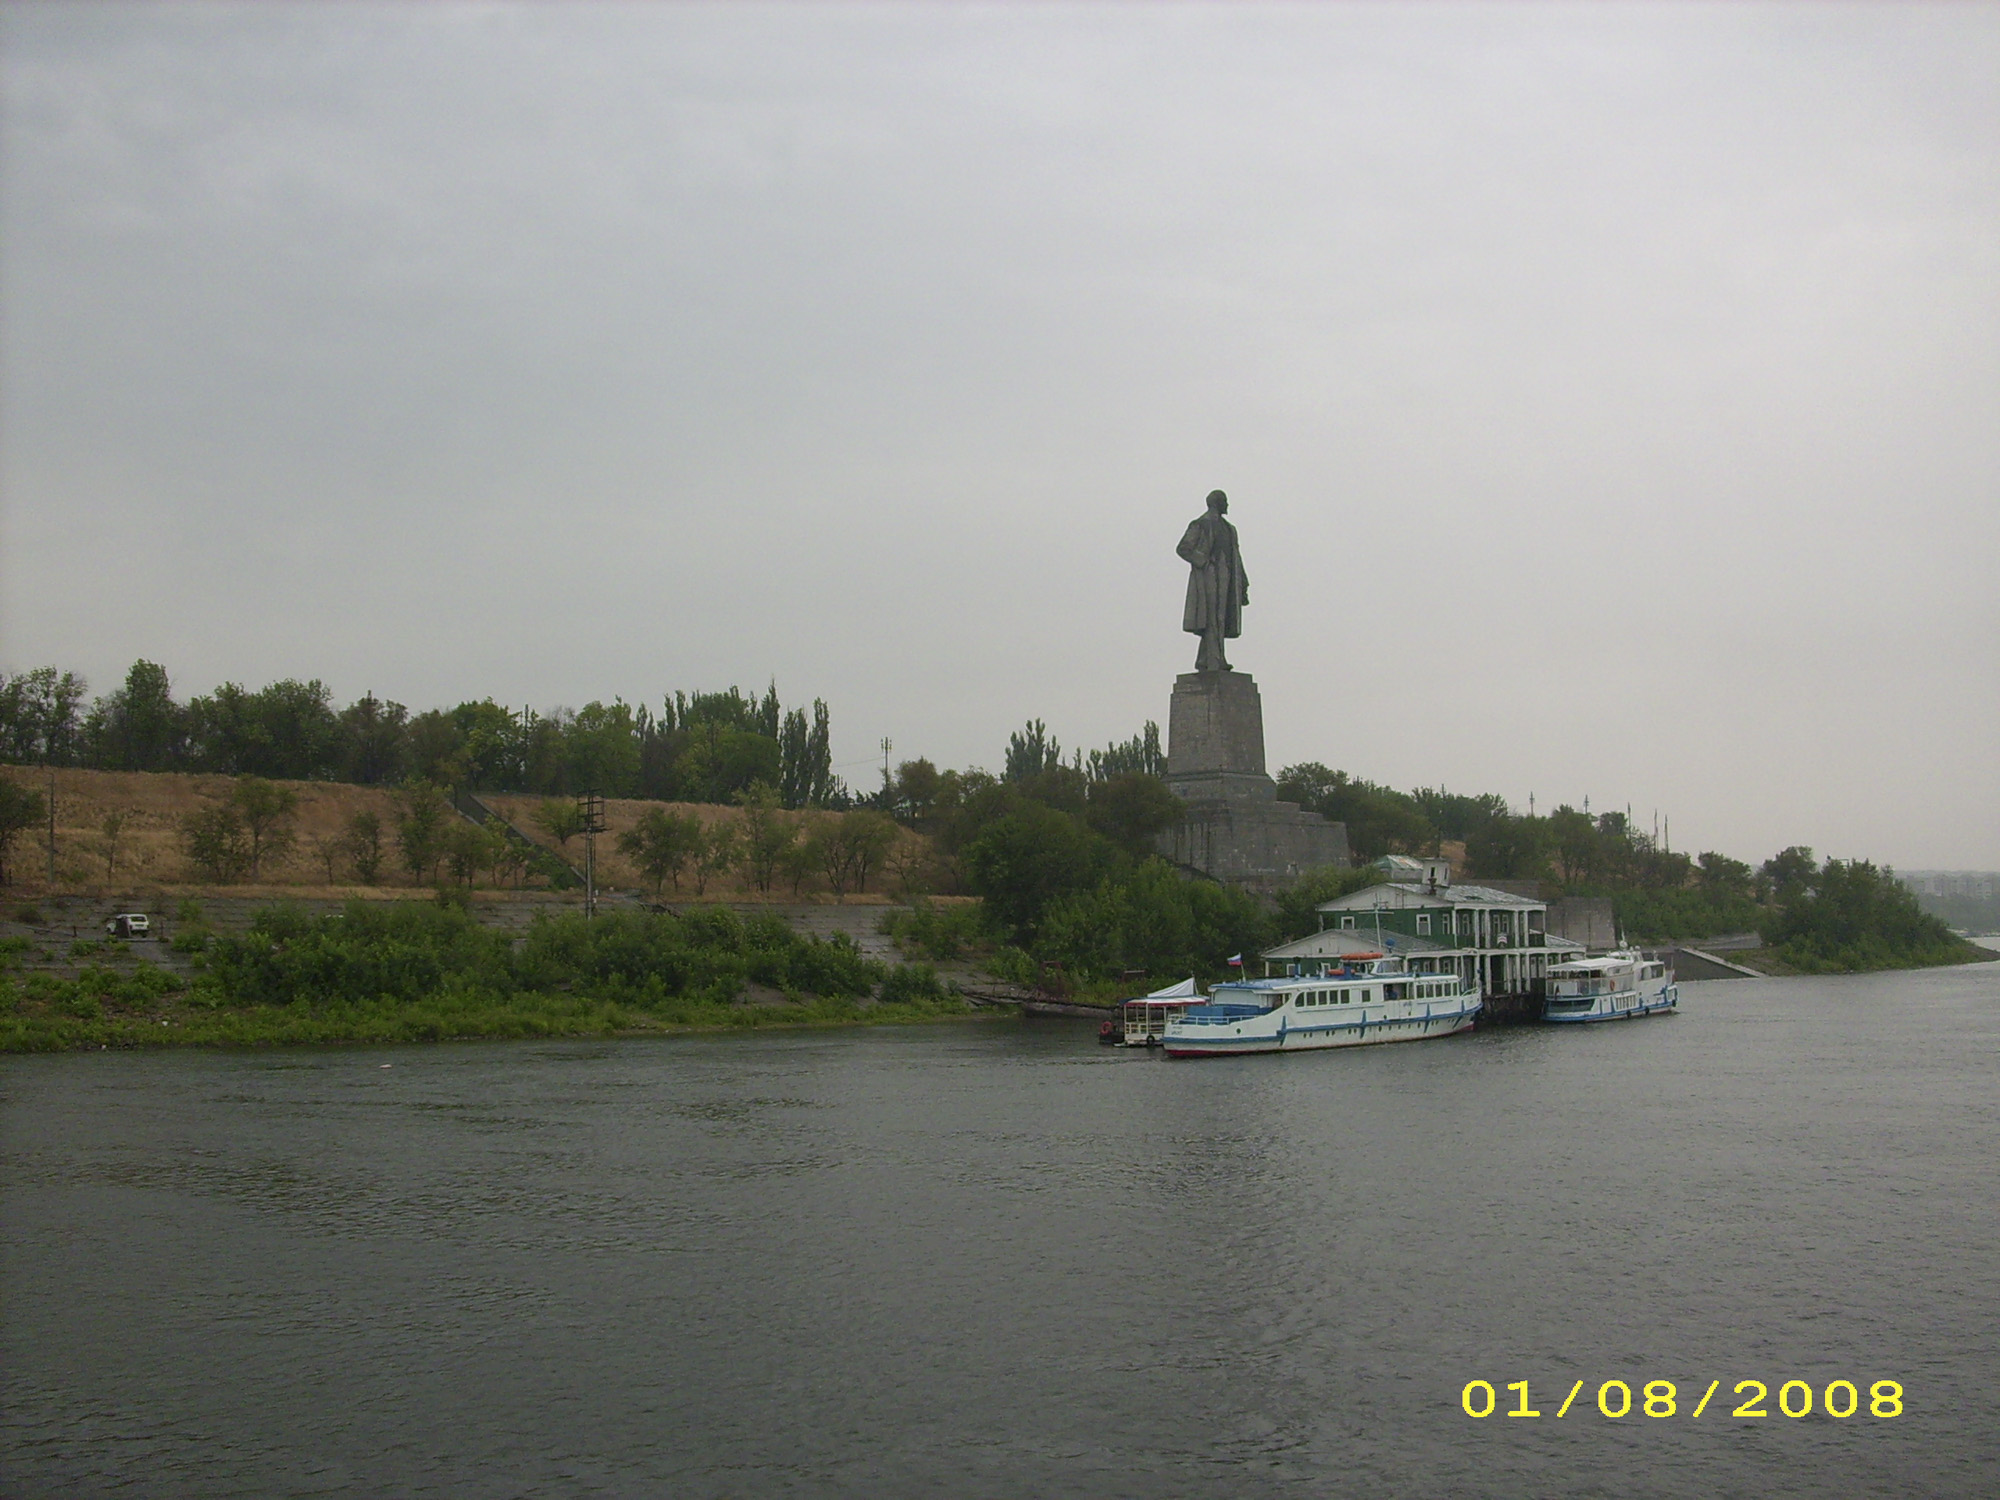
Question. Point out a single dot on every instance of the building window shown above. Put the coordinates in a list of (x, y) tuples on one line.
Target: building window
[(1347, 924), (1423, 924)]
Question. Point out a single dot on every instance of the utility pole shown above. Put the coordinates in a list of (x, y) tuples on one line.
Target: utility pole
[(886, 782), (590, 807)]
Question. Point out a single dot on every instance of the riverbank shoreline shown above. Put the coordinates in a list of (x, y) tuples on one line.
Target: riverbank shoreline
[(251, 1031), (1771, 964), (371, 975)]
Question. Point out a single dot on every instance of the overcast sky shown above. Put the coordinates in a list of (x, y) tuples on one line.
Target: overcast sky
[(1608, 396)]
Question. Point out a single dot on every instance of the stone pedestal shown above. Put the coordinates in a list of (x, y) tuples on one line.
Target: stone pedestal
[(1236, 829)]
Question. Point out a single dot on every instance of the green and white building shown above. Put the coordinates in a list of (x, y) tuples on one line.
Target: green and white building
[(1497, 941)]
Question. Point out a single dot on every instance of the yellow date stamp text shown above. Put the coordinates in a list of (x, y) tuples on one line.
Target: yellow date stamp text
[(1662, 1398)]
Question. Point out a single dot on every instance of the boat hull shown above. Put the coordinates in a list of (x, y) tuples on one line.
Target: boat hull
[(1628, 1006), (1319, 1036)]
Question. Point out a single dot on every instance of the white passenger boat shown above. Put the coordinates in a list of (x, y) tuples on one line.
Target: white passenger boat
[(1611, 987), (1367, 999)]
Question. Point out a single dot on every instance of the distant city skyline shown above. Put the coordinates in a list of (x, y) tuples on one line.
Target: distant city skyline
[(1604, 397)]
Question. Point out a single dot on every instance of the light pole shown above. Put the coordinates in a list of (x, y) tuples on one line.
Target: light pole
[(590, 811)]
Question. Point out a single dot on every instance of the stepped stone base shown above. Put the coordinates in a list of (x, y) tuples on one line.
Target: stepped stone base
[(1236, 830)]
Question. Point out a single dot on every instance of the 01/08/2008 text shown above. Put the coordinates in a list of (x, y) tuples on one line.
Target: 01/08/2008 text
[(1660, 1398)]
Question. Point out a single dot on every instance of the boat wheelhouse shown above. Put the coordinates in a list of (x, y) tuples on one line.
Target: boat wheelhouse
[(1614, 986), (1366, 999)]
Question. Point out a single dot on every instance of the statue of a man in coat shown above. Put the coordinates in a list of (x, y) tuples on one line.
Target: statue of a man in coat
[(1218, 588)]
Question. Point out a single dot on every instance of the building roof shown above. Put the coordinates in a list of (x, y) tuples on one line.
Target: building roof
[(1341, 942), (1474, 895), (1401, 895), (1409, 867)]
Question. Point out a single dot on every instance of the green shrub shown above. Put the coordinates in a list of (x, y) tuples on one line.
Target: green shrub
[(410, 952), (551, 869), (915, 984), (192, 933), (1154, 919), (1013, 966), (400, 950), (942, 934), (85, 948)]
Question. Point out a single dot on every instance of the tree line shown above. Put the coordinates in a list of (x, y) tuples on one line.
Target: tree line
[(1060, 848), (1657, 892), (1851, 915), (696, 747)]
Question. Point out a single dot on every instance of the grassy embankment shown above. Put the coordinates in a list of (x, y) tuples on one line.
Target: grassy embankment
[(427, 971), (1784, 961)]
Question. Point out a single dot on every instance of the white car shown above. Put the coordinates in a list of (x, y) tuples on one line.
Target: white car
[(130, 924)]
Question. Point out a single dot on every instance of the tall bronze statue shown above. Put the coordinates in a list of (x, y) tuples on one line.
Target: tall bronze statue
[(1218, 588)]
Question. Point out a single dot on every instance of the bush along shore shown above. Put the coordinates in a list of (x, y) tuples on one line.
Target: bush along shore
[(420, 971)]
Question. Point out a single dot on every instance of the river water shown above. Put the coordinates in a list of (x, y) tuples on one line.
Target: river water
[(996, 1260)]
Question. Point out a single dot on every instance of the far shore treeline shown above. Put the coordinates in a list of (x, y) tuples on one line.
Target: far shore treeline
[(701, 747), (1060, 849)]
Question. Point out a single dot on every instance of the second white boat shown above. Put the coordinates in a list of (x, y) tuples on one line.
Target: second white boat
[(1611, 987), (1367, 1000)]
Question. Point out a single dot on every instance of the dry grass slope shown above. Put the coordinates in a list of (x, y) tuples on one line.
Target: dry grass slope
[(148, 858)]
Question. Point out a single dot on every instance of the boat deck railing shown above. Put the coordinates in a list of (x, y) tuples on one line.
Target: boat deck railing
[(1221, 1015)]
